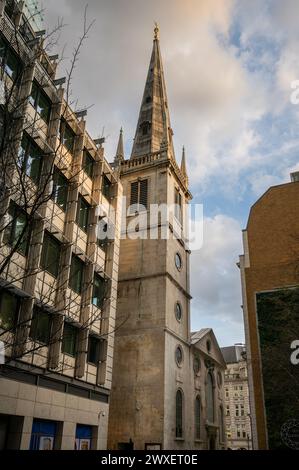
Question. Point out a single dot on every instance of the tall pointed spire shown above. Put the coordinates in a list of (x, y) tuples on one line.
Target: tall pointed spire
[(153, 129), (183, 165), (120, 154)]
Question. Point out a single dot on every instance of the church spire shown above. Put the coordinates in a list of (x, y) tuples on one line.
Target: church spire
[(120, 154), (153, 129)]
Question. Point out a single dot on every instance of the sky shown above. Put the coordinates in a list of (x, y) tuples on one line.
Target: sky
[(229, 66)]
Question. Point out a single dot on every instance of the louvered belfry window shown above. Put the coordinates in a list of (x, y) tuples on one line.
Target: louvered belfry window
[(139, 192)]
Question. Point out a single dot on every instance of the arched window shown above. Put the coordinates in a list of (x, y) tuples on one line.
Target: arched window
[(179, 414), (210, 397), (221, 425), (197, 418)]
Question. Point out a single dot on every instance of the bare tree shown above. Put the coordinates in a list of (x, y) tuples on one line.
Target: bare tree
[(38, 181)]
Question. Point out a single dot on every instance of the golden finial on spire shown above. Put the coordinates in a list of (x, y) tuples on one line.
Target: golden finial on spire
[(156, 31)]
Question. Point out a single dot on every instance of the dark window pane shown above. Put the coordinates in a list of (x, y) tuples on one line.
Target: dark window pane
[(179, 414), (8, 310), (60, 189), (139, 195), (67, 136), (88, 162), (76, 274), (50, 255), (93, 350), (69, 339), (197, 418), (30, 158), (40, 326), (12, 65), (34, 94), (44, 106), (98, 293), (82, 213), (106, 187), (16, 231)]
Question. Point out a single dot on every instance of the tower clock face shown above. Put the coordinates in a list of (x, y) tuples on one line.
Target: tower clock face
[(178, 261)]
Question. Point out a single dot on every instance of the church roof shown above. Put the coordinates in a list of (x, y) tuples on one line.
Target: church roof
[(153, 128)]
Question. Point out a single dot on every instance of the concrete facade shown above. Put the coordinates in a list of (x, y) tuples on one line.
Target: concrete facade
[(43, 385)]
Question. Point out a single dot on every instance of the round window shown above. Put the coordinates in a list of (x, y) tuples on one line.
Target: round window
[(178, 261), (179, 355), (178, 311), (196, 364)]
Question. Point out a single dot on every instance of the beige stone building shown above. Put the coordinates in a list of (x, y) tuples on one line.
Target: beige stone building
[(237, 406), (164, 378), (58, 277)]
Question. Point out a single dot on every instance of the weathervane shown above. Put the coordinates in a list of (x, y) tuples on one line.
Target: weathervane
[(156, 31)]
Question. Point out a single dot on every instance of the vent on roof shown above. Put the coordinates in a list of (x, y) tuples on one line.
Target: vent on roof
[(295, 177)]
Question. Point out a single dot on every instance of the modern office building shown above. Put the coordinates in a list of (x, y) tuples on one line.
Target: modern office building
[(58, 273)]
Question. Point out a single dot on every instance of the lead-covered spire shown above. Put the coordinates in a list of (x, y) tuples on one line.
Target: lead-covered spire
[(154, 131)]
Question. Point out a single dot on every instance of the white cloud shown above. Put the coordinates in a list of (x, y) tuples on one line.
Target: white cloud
[(215, 281)]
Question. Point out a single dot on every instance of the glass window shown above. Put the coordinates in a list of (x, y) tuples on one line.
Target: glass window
[(40, 326), (88, 163), (16, 232), (30, 158), (93, 353), (76, 274), (197, 418), (67, 136), (178, 311), (9, 60), (179, 414), (106, 187), (9, 306), (60, 189), (178, 261), (40, 102), (98, 292), (50, 256), (179, 355), (69, 339), (210, 398), (82, 213)]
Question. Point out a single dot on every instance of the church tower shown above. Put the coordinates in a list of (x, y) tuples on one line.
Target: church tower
[(152, 337)]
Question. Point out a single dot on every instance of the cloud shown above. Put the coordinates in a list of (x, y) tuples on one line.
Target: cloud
[(215, 280)]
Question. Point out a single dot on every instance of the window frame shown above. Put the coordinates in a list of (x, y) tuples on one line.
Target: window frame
[(15, 212), (103, 280), (65, 128), (14, 318), (9, 53), (27, 145), (179, 414), (34, 327), (37, 94), (56, 192), (88, 163), (83, 224), (75, 330), (45, 254), (72, 276), (97, 352)]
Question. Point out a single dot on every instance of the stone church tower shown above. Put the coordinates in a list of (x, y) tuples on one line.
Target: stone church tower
[(152, 332)]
